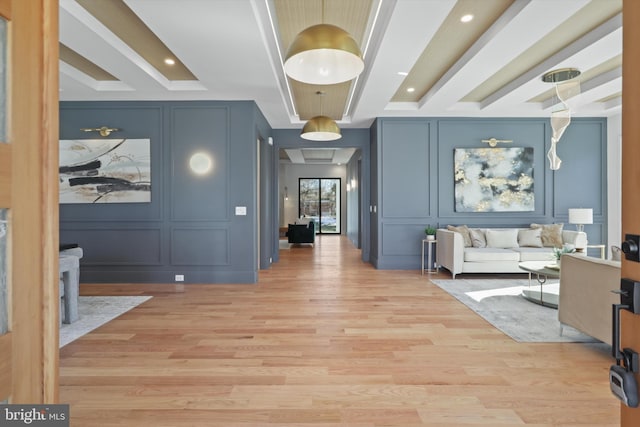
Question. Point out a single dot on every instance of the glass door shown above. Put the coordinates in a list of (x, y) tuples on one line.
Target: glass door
[(320, 201)]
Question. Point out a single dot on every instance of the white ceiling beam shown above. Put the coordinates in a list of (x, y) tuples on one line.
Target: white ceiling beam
[(411, 26), (505, 40), (605, 38)]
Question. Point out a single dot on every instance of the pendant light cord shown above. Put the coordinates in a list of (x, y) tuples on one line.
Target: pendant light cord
[(320, 94)]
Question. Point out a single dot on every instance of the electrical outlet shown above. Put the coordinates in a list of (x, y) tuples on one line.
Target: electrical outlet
[(179, 277)]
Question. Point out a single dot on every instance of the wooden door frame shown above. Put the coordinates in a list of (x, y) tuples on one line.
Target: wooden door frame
[(33, 136), (630, 323)]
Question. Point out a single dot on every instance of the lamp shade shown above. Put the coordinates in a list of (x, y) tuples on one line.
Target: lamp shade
[(321, 128), (323, 55), (581, 216)]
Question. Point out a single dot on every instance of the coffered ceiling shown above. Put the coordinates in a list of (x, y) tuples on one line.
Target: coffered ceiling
[(420, 59)]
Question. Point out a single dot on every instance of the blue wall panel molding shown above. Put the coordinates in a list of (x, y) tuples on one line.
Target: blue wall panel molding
[(190, 226), (135, 120), (199, 129), (117, 245), (200, 246), (401, 239), (405, 170), (469, 133), (414, 156)]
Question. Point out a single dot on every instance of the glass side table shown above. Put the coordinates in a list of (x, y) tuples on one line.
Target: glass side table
[(432, 266)]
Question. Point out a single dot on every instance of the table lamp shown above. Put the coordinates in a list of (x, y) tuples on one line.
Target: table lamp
[(580, 217)]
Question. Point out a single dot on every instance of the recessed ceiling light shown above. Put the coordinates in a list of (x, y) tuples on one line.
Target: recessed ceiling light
[(411, 89), (466, 18), (170, 61), (403, 73)]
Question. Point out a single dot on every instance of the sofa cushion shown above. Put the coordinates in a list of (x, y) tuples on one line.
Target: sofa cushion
[(531, 237), (478, 239), (490, 255), (535, 254), (551, 235), (502, 238), (464, 231)]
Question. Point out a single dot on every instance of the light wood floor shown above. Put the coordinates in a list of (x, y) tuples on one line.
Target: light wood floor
[(323, 340)]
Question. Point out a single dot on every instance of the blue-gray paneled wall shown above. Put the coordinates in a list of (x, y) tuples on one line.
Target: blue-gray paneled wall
[(412, 172), (190, 227)]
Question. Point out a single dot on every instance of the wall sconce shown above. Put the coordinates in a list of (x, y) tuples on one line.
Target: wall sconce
[(494, 142), (286, 193), (200, 163), (104, 130)]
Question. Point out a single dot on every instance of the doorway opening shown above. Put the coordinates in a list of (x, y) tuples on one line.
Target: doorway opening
[(319, 199)]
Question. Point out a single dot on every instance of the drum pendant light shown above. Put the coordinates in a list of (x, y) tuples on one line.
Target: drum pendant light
[(321, 128), (323, 55)]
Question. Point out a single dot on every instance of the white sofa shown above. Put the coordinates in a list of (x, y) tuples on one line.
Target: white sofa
[(452, 254)]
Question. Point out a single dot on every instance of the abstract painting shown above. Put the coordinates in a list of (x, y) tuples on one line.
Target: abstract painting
[(105, 171), (494, 179)]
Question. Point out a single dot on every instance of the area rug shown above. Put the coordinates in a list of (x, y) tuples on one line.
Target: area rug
[(95, 312), (499, 302)]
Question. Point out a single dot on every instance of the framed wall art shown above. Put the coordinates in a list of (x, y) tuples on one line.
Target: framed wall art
[(494, 179), (105, 171)]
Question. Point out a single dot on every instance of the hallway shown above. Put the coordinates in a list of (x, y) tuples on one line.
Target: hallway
[(323, 340)]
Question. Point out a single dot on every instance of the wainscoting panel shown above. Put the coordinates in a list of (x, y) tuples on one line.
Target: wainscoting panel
[(402, 239), (133, 121), (117, 246), (581, 180), (469, 133), (199, 130), (405, 169), (199, 246)]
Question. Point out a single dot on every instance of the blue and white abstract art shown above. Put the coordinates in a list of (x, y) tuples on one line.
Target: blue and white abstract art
[(494, 179), (105, 171)]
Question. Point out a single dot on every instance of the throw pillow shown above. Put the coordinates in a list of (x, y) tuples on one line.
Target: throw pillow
[(502, 238), (464, 230), (478, 240), (551, 234), (616, 253), (530, 238)]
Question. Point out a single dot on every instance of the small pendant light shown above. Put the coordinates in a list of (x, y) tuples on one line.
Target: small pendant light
[(321, 128)]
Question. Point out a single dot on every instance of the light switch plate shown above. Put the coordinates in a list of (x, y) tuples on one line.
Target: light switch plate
[(241, 210)]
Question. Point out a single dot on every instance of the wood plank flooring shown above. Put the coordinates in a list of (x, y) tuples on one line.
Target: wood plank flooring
[(323, 340)]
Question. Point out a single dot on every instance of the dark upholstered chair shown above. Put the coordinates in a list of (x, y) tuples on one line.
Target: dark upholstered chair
[(301, 233)]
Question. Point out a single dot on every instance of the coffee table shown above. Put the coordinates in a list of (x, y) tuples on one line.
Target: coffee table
[(542, 270)]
